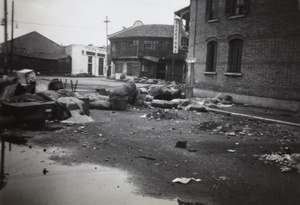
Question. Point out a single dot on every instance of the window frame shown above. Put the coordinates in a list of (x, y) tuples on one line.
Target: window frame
[(234, 8), (211, 57), (235, 54), (211, 12)]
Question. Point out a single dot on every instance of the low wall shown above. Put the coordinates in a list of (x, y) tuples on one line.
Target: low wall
[(252, 100)]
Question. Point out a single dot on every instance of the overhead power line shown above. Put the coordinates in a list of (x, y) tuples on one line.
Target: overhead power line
[(56, 25)]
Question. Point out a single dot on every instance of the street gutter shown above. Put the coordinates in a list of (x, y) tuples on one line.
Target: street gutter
[(252, 117)]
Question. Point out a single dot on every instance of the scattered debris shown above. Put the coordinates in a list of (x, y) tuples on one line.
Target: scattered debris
[(184, 180), (287, 162), (162, 115), (223, 178), (143, 116), (181, 144), (45, 171), (181, 202), (145, 157), (196, 107), (77, 118)]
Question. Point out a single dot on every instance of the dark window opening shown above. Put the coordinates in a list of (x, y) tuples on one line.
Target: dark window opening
[(184, 42), (90, 53), (211, 9), (211, 56), (90, 64), (235, 56), (236, 7)]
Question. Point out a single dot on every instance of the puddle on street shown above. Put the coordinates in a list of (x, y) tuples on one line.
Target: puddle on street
[(30, 177)]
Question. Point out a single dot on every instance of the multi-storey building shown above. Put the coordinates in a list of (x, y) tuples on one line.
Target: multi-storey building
[(147, 50), (249, 49)]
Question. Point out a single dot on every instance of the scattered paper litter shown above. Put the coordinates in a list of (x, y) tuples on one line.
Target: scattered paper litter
[(77, 118), (184, 180)]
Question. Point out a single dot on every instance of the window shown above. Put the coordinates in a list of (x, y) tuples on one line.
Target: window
[(211, 10), (235, 56), (211, 56), (155, 45), (90, 64), (184, 42), (236, 7)]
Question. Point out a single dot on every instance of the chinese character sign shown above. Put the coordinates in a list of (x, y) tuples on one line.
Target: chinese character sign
[(176, 36)]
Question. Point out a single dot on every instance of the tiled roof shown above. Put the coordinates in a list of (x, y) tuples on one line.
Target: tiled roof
[(153, 30)]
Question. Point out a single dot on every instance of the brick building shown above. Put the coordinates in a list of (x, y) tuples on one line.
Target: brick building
[(147, 50), (249, 49)]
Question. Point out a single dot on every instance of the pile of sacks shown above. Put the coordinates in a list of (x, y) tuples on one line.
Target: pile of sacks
[(127, 91)]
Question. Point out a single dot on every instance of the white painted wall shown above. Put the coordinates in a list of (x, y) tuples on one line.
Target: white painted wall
[(80, 58)]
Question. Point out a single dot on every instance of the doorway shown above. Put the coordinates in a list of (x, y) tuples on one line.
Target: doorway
[(100, 66), (161, 71)]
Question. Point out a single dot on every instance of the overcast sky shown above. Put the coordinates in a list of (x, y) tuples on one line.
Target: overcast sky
[(82, 21)]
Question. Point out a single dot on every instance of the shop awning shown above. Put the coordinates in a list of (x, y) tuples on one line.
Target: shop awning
[(151, 58)]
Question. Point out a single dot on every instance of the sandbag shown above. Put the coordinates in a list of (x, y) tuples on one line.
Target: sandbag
[(66, 93), (67, 102), (8, 91), (41, 85), (55, 84), (50, 95), (27, 97), (96, 96), (100, 104), (128, 90)]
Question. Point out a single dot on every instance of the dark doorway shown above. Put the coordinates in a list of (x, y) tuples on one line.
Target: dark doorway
[(161, 71), (100, 66), (90, 65)]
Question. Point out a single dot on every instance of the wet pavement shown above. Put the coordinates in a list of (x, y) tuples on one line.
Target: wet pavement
[(31, 177)]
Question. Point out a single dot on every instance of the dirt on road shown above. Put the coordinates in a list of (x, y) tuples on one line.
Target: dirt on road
[(221, 153)]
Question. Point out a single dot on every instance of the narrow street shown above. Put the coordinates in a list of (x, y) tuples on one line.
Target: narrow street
[(226, 159)]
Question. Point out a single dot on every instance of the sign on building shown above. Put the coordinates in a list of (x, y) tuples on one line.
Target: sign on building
[(176, 35)]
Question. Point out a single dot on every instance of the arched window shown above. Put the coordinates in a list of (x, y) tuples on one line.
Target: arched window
[(235, 56), (211, 56)]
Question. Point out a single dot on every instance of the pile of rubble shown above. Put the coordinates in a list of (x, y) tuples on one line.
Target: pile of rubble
[(287, 161), (161, 114)]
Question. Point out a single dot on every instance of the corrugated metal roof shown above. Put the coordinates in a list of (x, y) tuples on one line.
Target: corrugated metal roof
[(154, 30)]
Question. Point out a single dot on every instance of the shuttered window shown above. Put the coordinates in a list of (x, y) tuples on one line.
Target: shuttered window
[(235, 56)]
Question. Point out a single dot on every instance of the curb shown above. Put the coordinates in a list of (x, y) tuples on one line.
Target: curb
[(252, 117)]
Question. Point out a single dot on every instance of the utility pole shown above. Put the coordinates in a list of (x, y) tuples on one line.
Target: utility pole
[(108, 71), (12, 37), (5, 37)]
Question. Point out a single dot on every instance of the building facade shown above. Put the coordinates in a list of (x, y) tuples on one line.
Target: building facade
[(35, 51), (147, 51), (87, 59), (45, 57), (249, 49)]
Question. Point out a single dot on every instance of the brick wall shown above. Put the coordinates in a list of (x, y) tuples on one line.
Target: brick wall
[(271, 49)]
